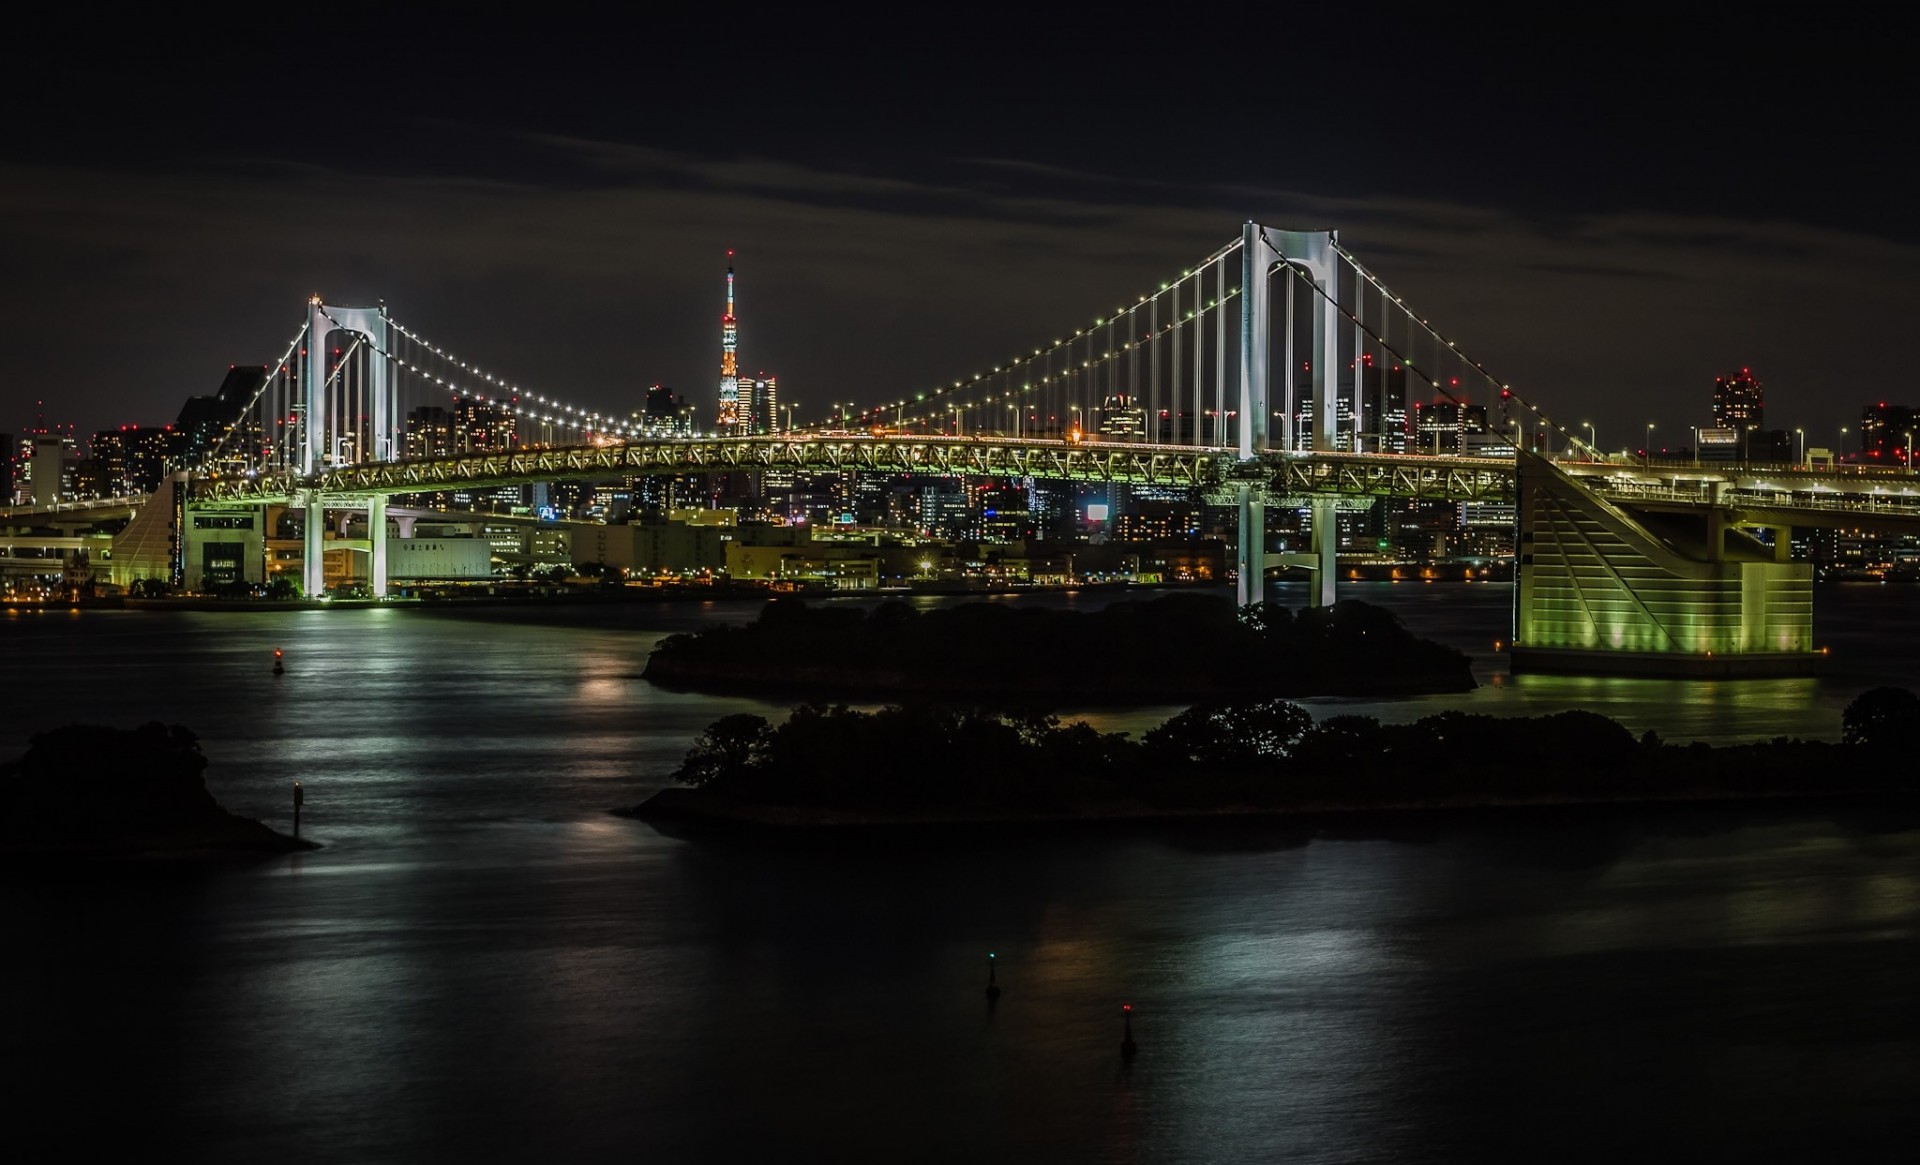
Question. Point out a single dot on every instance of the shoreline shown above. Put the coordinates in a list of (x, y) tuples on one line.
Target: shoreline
[(679, 806)]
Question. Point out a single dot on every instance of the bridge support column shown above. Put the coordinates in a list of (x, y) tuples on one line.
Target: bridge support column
[(377, 540), (1324, 548), (313, 560), (1252, 551)]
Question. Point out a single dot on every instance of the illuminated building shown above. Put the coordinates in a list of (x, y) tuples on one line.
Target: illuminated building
[(729, 421), (759, 404), (429, 432), (480, 426), (665, 414), (205, 420), (1884, 430), (1383, 407), (1447, 427), (1121, 419), (1738, 402), (132, 459)]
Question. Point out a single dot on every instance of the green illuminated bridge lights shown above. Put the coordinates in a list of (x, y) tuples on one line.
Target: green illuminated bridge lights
[(1248, 379)]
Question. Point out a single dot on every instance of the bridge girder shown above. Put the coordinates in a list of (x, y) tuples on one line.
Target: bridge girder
[(1776, 497)]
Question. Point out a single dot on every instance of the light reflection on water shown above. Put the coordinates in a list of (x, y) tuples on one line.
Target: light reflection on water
[(482, 964)]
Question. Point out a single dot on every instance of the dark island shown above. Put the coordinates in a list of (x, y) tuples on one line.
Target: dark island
[(1179, 648), (94, 792), (834, 766)]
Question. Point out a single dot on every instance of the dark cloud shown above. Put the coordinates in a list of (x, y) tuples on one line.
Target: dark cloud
[(1607, 230)]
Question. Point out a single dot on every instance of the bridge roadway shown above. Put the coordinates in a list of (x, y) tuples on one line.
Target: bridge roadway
[(1761, 494), (1771, 494)]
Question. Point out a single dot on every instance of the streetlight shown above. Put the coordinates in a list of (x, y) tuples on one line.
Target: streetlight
[(1909, 448), (1696, 444), (1840, 453), (1593, 446), (1649, 442), (1015, 410), (1800, 448), (789, 407)]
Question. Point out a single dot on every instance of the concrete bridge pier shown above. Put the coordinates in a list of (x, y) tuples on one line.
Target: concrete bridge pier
[(1251, 552), (1320, 560), (377, 545), (313, 558)]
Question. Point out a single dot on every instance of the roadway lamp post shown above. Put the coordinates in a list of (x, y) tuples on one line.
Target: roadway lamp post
[(1696, 444), (1841, 453), (1800, 448), (1015, 410), (789, 410), (1593, 441), (1909, 448), (1649, 442)]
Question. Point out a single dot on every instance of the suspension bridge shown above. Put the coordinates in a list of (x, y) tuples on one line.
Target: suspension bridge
[(1278, 371)]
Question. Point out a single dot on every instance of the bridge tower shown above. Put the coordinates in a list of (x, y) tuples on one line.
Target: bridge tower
[(381, 429), (1309, 292)]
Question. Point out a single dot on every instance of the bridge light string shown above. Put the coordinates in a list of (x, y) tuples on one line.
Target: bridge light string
[(1108, 359), (1088, 365), (611, 425), (1506, 390), (278, 368), (589, 421), (1083, 371), (878, 413)]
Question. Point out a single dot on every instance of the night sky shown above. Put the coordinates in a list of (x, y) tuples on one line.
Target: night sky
[(1608, 210)]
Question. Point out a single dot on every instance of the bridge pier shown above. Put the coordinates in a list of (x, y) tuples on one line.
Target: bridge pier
[(377, 545), (1320, 560), (1601, 590), (313, 559), (1251, 554)]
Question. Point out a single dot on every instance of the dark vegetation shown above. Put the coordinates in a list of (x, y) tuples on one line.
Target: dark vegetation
[(1181, 647), (84, 789), (1266, 755)]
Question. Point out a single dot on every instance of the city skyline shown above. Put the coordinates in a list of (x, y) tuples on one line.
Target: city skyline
[(1600, 246)]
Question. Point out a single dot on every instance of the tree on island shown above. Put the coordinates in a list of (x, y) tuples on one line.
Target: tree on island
[(1264, 754), (1882, 718)]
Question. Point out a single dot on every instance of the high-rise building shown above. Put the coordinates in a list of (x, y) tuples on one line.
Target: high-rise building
[(205, 420), (1886, 431), (132, 458), (1122, 419), (51, 476), (429, 431), (1739, 402), (665, 414), (729, 421), (1383, 406), (1449, 427), (482, 426), (760, 405)]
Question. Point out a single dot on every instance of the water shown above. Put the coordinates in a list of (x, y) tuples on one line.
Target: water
[(482, 964)]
